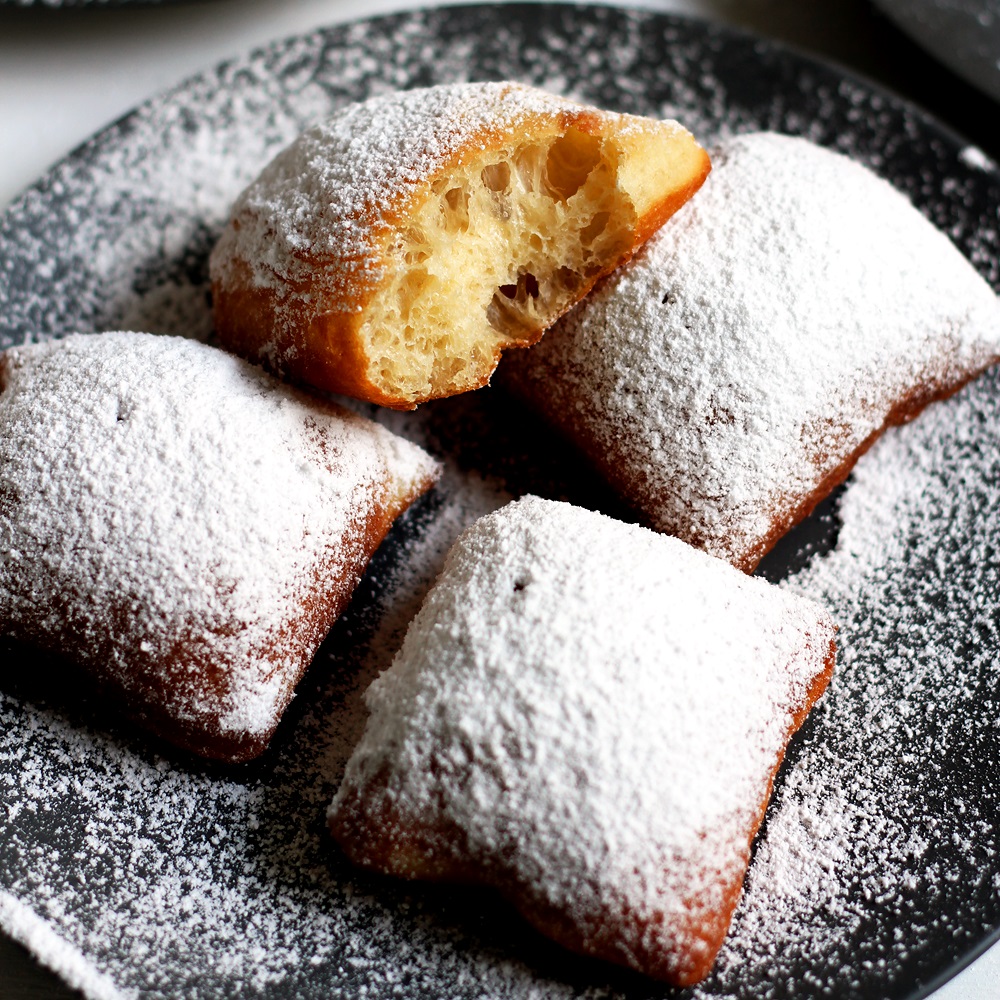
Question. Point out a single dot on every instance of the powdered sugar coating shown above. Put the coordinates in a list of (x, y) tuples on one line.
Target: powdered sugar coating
[(587, 715), (328, 200), (174, 881), (759, 340), (166, 511)]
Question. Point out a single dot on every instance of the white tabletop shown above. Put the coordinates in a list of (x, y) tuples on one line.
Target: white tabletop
[(64, 73)]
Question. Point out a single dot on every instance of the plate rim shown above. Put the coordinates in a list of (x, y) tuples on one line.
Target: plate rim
[(119, 125)]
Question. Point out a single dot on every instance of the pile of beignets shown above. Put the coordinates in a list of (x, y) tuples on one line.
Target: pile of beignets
[(585, 714)]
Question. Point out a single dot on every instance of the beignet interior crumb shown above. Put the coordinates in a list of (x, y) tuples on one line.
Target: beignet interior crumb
[(526, 229)]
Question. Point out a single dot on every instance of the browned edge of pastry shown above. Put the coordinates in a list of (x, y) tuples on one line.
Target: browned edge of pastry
[(435, 858), (705, 924), (326, 349), (902, 412), (786, 512)]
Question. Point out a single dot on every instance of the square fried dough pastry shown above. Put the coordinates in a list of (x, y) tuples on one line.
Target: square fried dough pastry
[(392, 252), (588, 716), (731, 375), (185, 527)]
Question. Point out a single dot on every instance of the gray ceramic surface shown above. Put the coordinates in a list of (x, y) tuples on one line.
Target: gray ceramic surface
[(165, 877)]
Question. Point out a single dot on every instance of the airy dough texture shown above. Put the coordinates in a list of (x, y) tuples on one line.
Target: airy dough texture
[(588, 716), (185, 527), (730, 375), (392, 252)]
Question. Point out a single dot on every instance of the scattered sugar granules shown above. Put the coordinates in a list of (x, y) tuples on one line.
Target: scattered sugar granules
[(877, 866)]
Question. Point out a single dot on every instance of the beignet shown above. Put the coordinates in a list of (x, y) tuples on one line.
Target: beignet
[(588, 716), (730, 376), (185, 527), (392, 252)]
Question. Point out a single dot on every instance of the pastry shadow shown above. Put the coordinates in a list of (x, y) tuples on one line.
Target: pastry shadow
[(490, 433), (53, 684), (812, 538)]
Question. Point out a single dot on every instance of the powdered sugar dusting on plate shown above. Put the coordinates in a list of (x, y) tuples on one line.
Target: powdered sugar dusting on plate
[(886, 800), (973, 156), (174, 878)]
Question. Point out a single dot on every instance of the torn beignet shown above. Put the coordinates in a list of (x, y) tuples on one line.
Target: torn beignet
[(392, 252)]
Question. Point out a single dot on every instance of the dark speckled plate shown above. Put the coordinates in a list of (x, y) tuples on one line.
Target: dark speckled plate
[(153, 874)]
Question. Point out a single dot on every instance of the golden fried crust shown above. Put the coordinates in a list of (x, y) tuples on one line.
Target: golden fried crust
[(398, 285)]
